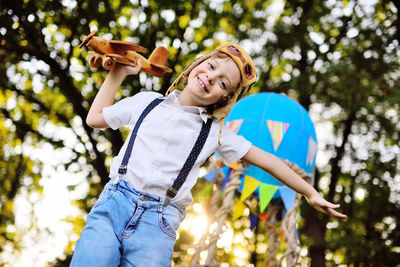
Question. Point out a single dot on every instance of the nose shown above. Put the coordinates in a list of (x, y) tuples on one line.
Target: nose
[(211, 78)]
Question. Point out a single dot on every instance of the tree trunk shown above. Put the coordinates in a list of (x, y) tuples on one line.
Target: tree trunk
[(315, 229)]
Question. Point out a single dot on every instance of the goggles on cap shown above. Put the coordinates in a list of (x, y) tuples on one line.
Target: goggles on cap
[(243, 60)]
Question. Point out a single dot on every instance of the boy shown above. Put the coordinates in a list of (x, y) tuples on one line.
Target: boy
[(135, 219)]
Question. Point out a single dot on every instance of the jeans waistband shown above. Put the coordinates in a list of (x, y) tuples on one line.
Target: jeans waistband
[(143, 196)]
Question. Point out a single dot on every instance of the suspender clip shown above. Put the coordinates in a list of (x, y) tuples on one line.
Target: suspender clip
[(171, 193), (166, 202), (122, 169)]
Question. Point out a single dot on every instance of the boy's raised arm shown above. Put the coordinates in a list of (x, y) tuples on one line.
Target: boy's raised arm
[(105, 96), (277, 168)]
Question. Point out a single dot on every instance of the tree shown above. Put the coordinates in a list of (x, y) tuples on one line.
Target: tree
[(339, 59), (46, 81), (343, 57)]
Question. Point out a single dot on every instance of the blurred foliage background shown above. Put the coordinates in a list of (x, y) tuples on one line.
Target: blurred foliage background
[(339, 59)]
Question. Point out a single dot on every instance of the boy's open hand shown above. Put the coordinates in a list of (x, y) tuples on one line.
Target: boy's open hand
[(322, 205), (127, 70)]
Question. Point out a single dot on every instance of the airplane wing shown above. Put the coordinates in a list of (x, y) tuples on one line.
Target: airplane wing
[(121, 59), (121, 46), (162, 67)]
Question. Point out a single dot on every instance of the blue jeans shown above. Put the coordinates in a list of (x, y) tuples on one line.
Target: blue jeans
[(128, 228)]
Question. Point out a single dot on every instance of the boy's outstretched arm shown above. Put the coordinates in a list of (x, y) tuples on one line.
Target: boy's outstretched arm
[(105, 96), (278, 169)]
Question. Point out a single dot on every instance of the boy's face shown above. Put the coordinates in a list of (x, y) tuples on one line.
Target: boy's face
[(212, 79)]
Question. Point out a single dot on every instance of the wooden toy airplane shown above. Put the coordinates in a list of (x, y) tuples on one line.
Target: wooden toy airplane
[(109, 52)]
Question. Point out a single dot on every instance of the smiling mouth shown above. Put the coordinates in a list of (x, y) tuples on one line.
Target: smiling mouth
[(202, 85)]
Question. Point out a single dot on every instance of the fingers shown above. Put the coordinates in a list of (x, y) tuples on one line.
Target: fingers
[(133, 70), (138, 65), (327, 207), (128, 70), (336, 214), (334, 206)]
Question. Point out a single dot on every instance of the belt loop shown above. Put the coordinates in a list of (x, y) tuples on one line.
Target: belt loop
[(160, 206), (117, 179)]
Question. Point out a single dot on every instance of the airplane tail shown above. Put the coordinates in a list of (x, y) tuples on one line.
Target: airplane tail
[(158, 59), (159, 56)]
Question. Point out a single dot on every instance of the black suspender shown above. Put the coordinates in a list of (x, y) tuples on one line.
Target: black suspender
[(190, 161), (123, 167)]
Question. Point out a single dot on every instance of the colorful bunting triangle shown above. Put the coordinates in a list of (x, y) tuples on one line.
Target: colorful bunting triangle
[(239, 210), (277, 129), (235, 125), (204, 193), (266, 193), (253, 221), (234, 165), (211, 175), (263, 217), (288, 196), (312, 150), (249, 186), (282, 236), (280, 214)]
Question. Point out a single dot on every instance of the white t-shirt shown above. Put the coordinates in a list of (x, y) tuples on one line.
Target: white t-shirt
[(164, 141)]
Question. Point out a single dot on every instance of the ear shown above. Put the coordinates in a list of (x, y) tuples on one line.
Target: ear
[(224, 100)]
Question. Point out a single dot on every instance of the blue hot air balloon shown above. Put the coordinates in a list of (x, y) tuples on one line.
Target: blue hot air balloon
[(278, 125)]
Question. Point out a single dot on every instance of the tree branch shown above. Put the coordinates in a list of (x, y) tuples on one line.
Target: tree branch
[(25, 128), (335, 171), (30, 98)]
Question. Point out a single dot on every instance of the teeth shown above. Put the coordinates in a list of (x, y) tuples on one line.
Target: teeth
[(202, 84)]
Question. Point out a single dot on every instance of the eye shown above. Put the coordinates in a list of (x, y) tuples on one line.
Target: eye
[(223, 84), (211, 66)]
